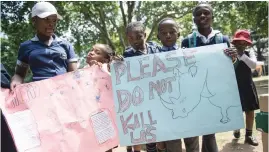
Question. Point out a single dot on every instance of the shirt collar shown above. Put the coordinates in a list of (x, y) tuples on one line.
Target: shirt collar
[(54, 38), (207, 39), (142, 51), (174, 47)]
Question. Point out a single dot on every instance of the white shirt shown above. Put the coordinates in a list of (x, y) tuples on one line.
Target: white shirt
[(206, 40), (250, 61)]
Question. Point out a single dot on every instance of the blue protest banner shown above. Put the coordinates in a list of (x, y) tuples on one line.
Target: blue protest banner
[(177, 94)]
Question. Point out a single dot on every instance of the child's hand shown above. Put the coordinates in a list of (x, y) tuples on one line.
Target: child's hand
[(94, 62), (240, 53), (117, 58), (231, 52)]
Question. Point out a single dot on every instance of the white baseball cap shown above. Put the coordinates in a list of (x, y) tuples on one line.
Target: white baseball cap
[(44, 9)]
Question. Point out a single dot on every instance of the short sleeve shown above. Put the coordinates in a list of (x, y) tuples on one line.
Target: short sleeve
[(126, 52), (226, 40), (184, 43), (71, 55), (23, 56)]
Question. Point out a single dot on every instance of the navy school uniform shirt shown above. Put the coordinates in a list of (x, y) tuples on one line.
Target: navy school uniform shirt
[(202, 40), (166, 49), (150, 46), (46, 61)]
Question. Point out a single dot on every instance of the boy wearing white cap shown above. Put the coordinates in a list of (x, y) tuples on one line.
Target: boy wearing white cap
[(45, 54)]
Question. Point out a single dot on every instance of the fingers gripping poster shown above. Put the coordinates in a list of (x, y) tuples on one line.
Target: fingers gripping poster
[(176, 94), (69, 113)]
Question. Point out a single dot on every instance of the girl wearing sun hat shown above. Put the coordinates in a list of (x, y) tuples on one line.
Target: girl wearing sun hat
[(246, 61)]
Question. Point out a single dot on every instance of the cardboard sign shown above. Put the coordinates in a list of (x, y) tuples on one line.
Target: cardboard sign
[(176, 94), (73, 112)]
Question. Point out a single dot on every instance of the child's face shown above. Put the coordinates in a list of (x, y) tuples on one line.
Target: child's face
[(136, 39), (168, 33), (203, 17), (98, 54), (240, 45), (45, 26)]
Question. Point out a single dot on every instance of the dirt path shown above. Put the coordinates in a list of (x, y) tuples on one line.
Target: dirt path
[(227, 143)]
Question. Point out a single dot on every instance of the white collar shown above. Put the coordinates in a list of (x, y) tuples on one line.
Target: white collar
[(53, 37), (145, 51), (207, 40), (174, 47)]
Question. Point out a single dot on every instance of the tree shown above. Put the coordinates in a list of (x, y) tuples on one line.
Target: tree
[(87, 23), (230, 16), (237, 15)]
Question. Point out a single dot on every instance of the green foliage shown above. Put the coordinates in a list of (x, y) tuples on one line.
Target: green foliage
[(230, 16), (86, 23)]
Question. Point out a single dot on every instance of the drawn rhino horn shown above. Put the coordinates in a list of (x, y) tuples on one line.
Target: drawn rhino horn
[(167, 105)]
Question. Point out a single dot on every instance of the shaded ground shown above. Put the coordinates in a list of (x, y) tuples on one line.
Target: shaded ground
[(227, 143)]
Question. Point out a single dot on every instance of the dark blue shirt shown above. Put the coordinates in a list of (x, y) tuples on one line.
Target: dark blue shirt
[(166, 49), (46, 61), (151, 48)]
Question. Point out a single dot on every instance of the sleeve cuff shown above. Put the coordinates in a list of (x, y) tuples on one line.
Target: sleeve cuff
[(243, 57), (72, 60), (22, 64)]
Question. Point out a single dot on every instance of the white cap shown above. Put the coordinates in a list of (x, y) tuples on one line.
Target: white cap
[(44, 9)]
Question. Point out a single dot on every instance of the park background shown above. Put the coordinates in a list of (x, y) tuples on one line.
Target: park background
[(88, 22)]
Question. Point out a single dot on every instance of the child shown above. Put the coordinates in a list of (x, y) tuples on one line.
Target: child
[(168, 33), (102, 54), (136, 36), (205, 35), (45, 54), (99, 55), (247, 90)]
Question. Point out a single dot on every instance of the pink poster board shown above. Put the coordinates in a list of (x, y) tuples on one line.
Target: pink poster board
[(73, 112)]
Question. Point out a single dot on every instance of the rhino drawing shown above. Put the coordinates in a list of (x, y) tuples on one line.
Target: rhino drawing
[(187, 100), (181, 105)]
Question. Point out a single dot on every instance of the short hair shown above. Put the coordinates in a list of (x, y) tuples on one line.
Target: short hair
[(108, 50), (133, 25), (166, 19), (205, 4)]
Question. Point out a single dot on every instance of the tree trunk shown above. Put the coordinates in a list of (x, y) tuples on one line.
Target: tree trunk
[(130, 5), (138, 15), (123, 15)]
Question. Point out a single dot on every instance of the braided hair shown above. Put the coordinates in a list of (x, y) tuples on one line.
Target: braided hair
[(111, 55)]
